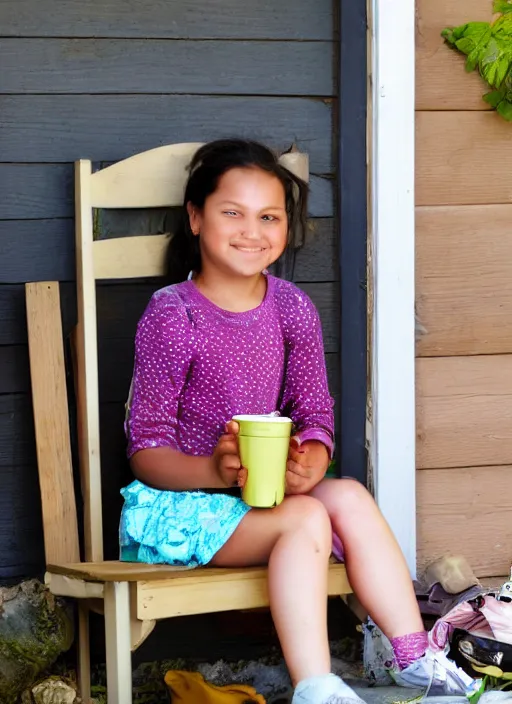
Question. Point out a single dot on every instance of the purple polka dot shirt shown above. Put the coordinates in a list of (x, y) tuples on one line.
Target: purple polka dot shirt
[(197, 365)]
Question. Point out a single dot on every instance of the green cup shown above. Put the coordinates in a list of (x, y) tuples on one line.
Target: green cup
[(263, 443)]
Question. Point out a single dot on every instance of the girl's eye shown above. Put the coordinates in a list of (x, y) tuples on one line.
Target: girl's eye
[(269, 218), (229, 212)]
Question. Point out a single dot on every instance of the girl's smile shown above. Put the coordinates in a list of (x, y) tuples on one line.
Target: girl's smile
[(243, 226)]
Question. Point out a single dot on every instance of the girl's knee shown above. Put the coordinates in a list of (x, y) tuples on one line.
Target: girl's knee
[(307, 513), (351, 495)]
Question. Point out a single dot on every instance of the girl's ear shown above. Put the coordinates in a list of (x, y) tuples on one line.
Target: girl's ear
[(194, 218)]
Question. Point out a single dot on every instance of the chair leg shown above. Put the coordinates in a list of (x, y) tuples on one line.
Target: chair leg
[(117, 636), (84, 653)]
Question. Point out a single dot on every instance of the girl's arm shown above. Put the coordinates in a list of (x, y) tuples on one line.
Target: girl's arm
[(164, 346), (166, 468), (306, 398)]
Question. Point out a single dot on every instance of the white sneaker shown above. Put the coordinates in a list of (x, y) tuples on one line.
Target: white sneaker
[(325, 689), (438, 675)]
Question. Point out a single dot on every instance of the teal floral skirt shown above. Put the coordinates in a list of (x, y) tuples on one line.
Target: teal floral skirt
[(185, 528)]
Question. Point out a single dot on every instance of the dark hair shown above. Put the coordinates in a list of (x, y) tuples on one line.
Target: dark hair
[(211, 162)]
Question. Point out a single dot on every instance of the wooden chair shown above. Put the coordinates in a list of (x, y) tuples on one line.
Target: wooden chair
[(132, 596)]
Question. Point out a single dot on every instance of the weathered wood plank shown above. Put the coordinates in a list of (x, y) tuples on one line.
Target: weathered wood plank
[(466, 512), (141, 66), (14, 369), (462, 158), (37, 250), (237, 19), (441, 80), (36, 191), (318, 260), (45, 191), (17, 440), (49, 128), (13, 325), (21, 529), (463, 411), (464, 279)]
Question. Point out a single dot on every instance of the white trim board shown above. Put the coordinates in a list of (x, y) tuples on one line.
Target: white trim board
[(392, 426)]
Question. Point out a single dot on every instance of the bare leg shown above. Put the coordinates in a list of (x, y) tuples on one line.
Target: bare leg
[(376, 567), (295, 540)]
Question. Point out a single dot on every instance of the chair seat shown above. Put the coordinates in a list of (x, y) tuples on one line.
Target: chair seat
[(117, 571), (161, 591)]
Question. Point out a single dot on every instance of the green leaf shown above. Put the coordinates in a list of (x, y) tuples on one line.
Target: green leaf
[(447, 35), (502, 6), (494, 98), (503, 67), (466, 45), (505, 110)]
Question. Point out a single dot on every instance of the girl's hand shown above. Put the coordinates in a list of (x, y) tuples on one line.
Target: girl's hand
[(307, 465), (226, 459)]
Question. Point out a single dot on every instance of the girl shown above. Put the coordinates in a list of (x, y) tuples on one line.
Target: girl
[(230, 340)]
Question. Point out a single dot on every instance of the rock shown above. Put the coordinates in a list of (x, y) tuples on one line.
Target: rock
[(35, 627), (53, 691)]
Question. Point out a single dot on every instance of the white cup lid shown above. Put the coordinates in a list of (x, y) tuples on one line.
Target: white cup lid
[(262, 419)]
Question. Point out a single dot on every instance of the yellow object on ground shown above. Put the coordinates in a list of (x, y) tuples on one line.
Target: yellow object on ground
[(191, 688)]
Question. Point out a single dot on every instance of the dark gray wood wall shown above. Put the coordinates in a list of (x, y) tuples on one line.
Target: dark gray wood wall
[(104, 80)]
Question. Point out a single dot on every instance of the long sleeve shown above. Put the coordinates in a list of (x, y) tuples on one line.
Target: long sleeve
[(306, 398), (163, 347)]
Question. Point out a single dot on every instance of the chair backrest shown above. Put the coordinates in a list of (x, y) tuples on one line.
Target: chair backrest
[(152, 179)]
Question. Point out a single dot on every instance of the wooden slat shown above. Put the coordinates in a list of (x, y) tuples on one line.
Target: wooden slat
[(51, 419), (31, 191), (117, 571), (464, 411), (441, 80), (227, 592), (17, 443), (464, 279), (48, 128), (86, 351), (14, 370), (21, 531), (157, 177), (131, 257), (141, 66), (44, 191), (41, 250), (13, 323), (463, 158), (238, 19), (466, 512)]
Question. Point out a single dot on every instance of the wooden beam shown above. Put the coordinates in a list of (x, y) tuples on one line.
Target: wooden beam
[(237, 19), (49, 128), (464, 279), (91, 65), (464, 411), (441, 80), (463, 158), (466, 511), (51, 420)]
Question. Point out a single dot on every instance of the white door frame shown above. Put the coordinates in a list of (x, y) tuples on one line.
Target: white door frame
[(391, 127)]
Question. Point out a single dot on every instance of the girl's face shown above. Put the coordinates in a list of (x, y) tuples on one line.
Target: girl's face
[(243, 226)]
